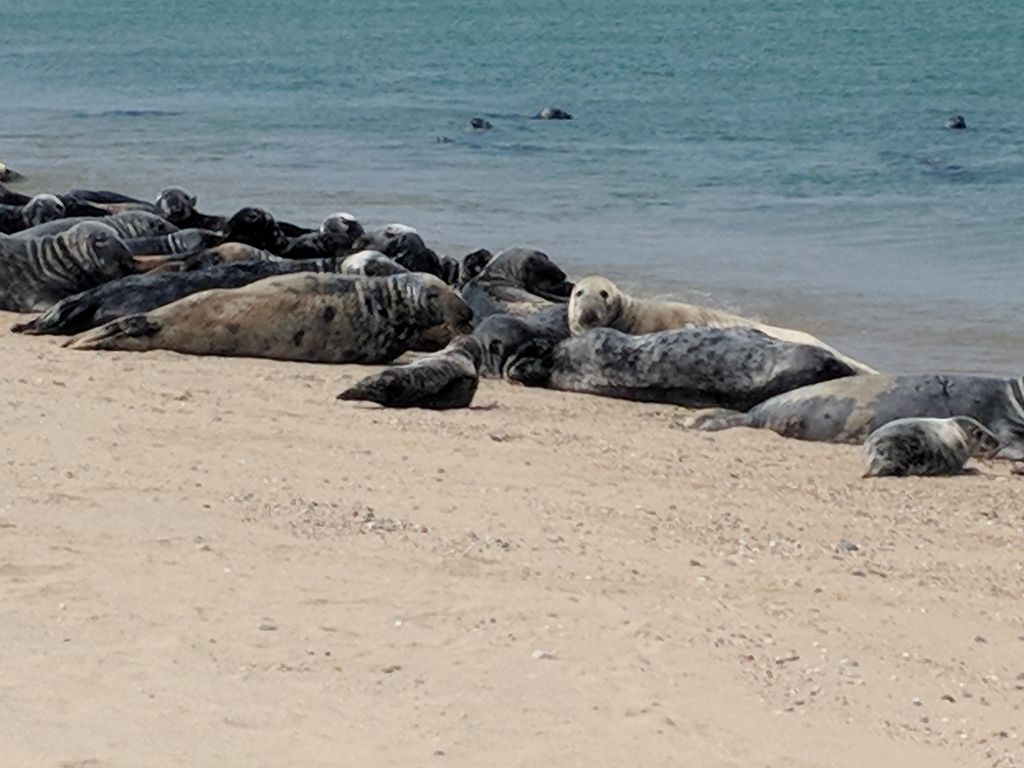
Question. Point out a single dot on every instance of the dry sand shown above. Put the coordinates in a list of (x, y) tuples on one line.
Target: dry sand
[(210, 562)]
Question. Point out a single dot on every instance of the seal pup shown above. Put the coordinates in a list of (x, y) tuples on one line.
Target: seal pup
[(848, 410), (693, 367), (552, 113), (334, 239), (502, 336), (135, 294), (10, 197), (926, 447), (35, 274), (130, 224), (597, 302), (518, 281), (38, 210), (304, 317), (440, 381), (956, 123)]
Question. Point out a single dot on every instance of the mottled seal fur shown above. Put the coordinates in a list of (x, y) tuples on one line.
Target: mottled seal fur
[(307, 317), (693, 367), (502, 336), (518, 281), (179, 207), (135, 294), (926, 447), (443, 380), (9, 174), (127, 225), (370, 264), (598, 303), (848, 410), (182, 241), (38, 210), (35, 274)]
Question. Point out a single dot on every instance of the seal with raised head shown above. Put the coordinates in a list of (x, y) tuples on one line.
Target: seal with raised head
[(9, 174), (307, 317), (37, 273), (518, 281), (38, 210), (439, 381), (135, 294), (179, 207), (598, 303), (403, 244), (692, 367), (370, 264), (926, 447), (334, 239), (128, 225), (848, 410)]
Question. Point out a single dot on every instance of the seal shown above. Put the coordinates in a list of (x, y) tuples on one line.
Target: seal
[(179, 207), (370, 264), (130, 224), (403, 244), (334, 239), (182, 241), (35, 274), (305, 317), (926, 447), (441, 381), (9, 174), (693, 367), (135, 294), (473, 264), (480, 124), (502, 336), (256, 227), (10, 197), (38, 210), (552, 113), (598, 303), (848, 410), (956, 123), (518, 281)]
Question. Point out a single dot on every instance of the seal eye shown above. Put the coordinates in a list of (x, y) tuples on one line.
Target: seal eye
[(604, 294)]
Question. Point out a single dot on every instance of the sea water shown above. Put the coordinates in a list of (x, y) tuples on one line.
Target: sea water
[(786, 159)]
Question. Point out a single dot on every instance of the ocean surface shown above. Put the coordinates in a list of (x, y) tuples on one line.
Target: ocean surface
[(787, 159)]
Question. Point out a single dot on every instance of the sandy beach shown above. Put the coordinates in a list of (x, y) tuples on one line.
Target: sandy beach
[(211, 562)]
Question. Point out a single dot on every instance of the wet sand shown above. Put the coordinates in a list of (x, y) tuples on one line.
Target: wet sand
[(212, 562)]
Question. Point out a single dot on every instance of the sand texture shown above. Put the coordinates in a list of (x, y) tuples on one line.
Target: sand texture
[(211, 562)]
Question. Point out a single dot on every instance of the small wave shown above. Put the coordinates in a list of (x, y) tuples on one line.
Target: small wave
[(130, 113)]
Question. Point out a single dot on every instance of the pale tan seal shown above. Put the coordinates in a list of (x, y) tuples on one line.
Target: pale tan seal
[(596, 302), (311, 317)]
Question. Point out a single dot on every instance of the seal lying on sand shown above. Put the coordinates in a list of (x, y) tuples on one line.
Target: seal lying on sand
[(39, 210), (404, 245), (848, 410), (502, 336), (336, 236), (693, 367), (179, 207), (308, 317), (34, 274), (443, 380), (182, 241), (518, 281), (598, 303), (926, 447), (127, 225), (370, 264)]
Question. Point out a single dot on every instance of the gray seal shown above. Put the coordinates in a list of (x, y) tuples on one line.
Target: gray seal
[(35, 274), (440, 381), (127, 225), (692, 367), (848, 410), (502, 336), (304, 317), (552, 113), (335, 238), (38, 210), (370, 264), (518, 281), (403, 244), (182, 241), (956, 123), (179, 207), (926, 447)]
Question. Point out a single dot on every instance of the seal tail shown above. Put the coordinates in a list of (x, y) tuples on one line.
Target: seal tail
[(131, 333), (717, 420), (71, 315)]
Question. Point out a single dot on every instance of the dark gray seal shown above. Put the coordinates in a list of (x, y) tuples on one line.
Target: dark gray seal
[(35, 274), (480, 124), (956, 123), (502, 336), (179, 207), (335, 238), (440, 381), (926, 447), (518, 281), (9, 174), (370, 264), (38, 210), (305, 317), (848, 410), (552, 113), (10, 197), (473, 264), (127, 225), (135, 294), (692, 367), (182, 241)]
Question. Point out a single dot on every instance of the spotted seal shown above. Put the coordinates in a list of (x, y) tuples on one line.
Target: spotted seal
[(692, 367), (130, 224), (440, 381), (502, 336), (308, 317), (926, 447), (597, 302), (35, 274), (518, 281), (848, 410)]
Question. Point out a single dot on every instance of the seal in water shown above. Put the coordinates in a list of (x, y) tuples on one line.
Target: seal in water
[(956, 123), (442, 380), (480, 124), (308, 317), (518, 281), (552, 113), (598, 303), (35, 274), (693, 367), (848, 410), (926, 447)]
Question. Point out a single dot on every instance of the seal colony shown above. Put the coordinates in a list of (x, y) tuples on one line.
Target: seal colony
[(116, 272)]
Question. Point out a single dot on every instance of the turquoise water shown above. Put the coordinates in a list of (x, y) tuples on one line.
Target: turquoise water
[(787, 159)]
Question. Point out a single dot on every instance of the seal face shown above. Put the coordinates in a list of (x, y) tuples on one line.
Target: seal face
[(43, 208), (370, 264), (956, 123), (308, 317), (440, 381), (922, 446)]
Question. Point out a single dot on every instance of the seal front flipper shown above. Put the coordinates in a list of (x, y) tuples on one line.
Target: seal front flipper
[(716, 420), (532, 363), (71, 315), (131, 332)]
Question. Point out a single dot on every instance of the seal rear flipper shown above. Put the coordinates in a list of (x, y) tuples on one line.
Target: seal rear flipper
[(717, 420), (132, 332), (71, 315)]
